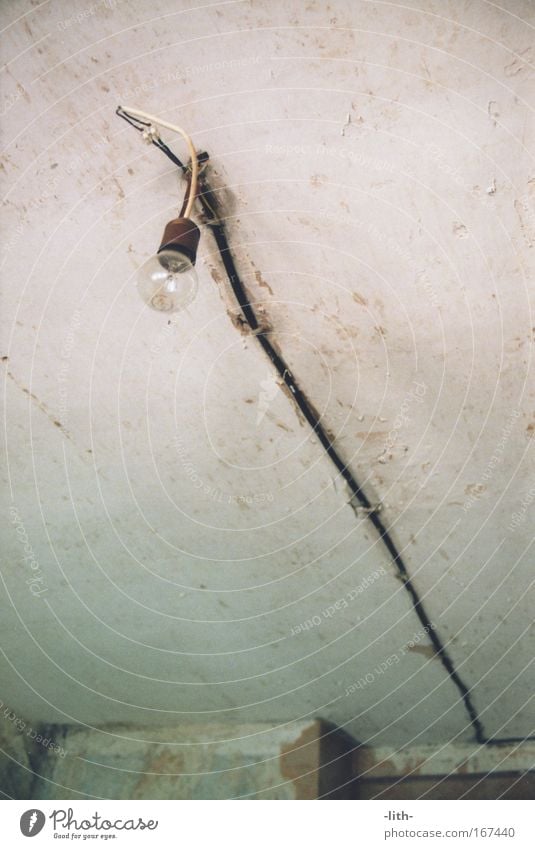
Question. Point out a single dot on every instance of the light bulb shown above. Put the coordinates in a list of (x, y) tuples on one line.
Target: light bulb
[(168, 281)]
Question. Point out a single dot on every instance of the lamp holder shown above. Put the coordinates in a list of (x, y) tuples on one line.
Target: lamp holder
[(182, 235)]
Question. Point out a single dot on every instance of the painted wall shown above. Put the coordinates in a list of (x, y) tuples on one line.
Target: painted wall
[(178, 546)]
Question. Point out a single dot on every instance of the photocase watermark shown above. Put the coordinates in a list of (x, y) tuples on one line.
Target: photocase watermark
[(391, 661), (185, 73), (65, 367), (440, 158), (32, 822), (390, 245), (519, 516), (66, 820), (214, 492), (372, 163), (525, 209), (402, 419), (88, 12), (50, 188), (424, 283), (65, 825), (269, 389), (477, 489), (164, 333), (11, 99), (340, 604), (22, 726), (330, 151), (36, 581), (74, 164)]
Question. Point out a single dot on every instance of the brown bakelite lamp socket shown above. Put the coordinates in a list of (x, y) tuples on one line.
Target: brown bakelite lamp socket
[(182, 235)]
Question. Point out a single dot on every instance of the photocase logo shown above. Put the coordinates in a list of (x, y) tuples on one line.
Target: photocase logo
[(268, 391), (31, 822)]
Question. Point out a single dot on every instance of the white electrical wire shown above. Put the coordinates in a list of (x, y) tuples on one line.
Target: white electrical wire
[(194, 163)]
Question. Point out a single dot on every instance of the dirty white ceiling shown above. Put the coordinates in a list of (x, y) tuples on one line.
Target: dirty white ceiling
[(177, 543)]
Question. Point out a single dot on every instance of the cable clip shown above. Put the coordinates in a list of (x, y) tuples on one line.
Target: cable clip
[(150, 134), (363, 512), (261, 330)]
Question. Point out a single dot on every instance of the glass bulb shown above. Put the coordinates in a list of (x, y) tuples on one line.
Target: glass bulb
[(167, 281)]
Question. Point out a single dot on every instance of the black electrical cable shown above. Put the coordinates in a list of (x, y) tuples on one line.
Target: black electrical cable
[(208, 202), (312, 418), (144, 126)]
